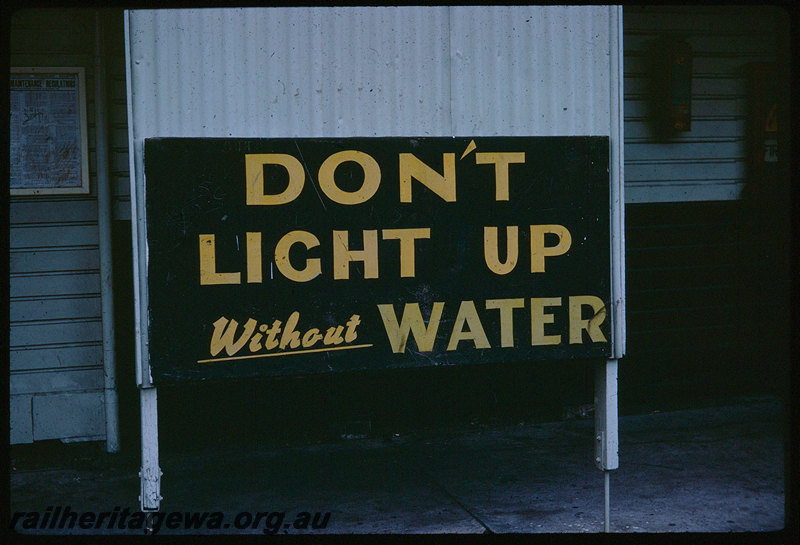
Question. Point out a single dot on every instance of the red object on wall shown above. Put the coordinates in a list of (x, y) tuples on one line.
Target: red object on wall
[(671, 67), (762, 126), (679, 74)]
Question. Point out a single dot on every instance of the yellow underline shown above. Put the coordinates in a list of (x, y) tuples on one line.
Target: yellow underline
[(349, 347)]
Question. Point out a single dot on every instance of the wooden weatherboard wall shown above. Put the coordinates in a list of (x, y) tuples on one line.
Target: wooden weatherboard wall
[(56, 360), (294, 256), (708, 162)]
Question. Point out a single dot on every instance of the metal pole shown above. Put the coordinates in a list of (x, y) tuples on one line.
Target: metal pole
[(607, 502), (104, 228)]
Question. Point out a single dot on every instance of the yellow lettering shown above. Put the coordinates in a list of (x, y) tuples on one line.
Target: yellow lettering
[(254, 275), (333, 335), (350, 335), (343, 255), (412, 323), (467, 314), (406, 238), (372, 177), (491, 251), (506, 308), (254, 178), (208, 265), (291, 337), (501, 160), (313, 266), (311, 337), (224, 332), (443, 185), (539, 251), (592, 325), (271, 342), (255, 343), (539, 318)]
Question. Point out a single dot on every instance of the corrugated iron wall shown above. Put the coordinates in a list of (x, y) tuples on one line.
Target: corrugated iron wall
[(56, 353), (311, 72), (406, 71), (539, 70)]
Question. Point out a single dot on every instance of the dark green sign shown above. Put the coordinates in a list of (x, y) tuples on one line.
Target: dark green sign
[(294, 256)]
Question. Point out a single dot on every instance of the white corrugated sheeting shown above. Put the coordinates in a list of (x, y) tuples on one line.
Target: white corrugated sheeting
[(540, 70), (370, 71), (308, 72), (402, 71)]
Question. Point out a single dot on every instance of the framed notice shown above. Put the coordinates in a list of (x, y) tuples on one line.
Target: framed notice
[(49, 152)]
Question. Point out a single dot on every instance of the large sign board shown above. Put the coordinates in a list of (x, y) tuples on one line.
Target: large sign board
[(298, 255), (49, 152)]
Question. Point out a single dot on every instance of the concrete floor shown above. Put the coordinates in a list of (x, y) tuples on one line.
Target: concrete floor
[(717, 469)]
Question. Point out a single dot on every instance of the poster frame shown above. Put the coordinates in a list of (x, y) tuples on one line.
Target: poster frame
[(82, 127)]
